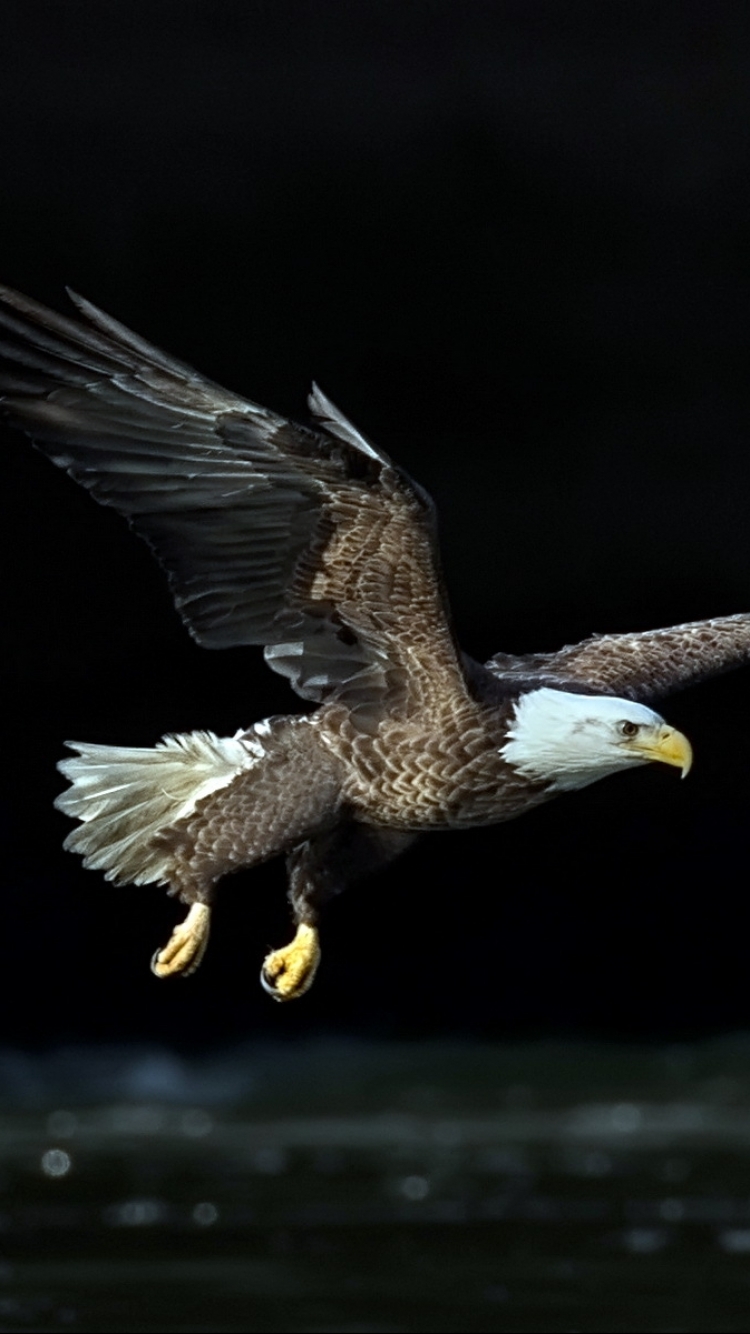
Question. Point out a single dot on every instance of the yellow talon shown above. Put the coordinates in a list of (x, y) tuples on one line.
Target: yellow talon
[(289, 972), (186, 945)]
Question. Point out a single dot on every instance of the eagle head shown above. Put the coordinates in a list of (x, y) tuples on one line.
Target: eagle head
[(570, 740)]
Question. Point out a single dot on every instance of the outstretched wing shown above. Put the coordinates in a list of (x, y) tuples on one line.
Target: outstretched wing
[(310, 542), (643, 666)]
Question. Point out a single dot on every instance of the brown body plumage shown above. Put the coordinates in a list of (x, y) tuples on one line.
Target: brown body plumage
[(315, 545)]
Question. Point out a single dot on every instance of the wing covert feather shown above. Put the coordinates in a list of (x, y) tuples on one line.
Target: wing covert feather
[(642, 666)]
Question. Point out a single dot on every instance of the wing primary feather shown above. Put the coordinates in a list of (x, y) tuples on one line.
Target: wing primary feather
[(270, 533)]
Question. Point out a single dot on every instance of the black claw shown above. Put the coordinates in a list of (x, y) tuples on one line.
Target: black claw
[(184, 972), (268, 986)]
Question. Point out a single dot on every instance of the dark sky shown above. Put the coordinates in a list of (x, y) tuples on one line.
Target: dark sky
[(511, 241)]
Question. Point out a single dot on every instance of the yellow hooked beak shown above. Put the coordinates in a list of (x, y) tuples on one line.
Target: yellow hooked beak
[(665, 744)]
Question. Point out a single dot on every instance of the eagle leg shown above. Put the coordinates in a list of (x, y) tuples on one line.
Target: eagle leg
[(318, 870), (290, 972), (186, 946)]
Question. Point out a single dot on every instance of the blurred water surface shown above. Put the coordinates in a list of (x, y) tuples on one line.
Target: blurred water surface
[(396, 1187)]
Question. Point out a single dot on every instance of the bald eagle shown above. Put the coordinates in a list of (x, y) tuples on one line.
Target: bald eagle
[(311, 542)]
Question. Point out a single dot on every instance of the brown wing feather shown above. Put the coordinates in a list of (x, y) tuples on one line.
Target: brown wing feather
[(309, 542), (643, 666)]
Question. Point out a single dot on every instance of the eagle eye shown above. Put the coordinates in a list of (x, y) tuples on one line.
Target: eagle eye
[(627, 728)]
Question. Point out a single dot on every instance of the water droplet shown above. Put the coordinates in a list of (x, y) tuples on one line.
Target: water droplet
[(736, 1240), (135, 1213), (56, 1163), (414, 1188), (205, 1213)]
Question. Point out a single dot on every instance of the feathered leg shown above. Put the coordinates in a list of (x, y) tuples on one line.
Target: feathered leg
[(195, 808), (187, 944), (318, 870)]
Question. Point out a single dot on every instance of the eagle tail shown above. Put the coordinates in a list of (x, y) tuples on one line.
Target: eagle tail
[(124, 797)]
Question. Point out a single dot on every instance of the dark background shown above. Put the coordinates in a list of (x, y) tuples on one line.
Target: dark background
[(511, 241)]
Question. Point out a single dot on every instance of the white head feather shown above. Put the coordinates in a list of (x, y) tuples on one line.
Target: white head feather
[(572, 740)]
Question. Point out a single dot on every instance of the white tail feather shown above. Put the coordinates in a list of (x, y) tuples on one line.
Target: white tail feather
[(124, 796)]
